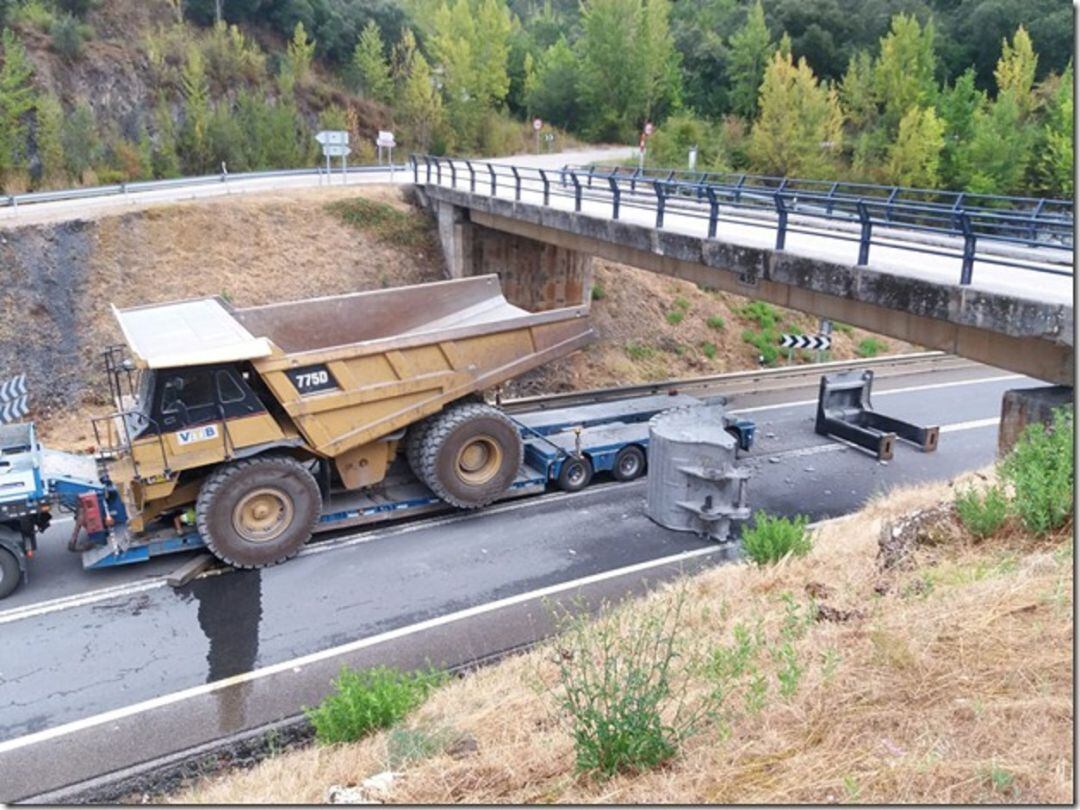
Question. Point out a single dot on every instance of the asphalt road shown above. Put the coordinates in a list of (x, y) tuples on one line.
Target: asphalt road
[(96, 680), (60, 210)]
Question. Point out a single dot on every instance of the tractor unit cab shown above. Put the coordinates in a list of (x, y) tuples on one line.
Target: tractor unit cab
[(225, 415)]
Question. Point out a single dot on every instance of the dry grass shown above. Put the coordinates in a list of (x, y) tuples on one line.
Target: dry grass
[(953, 686)]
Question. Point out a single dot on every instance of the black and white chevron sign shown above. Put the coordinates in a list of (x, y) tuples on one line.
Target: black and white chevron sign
[(816, 342), (14, 402)]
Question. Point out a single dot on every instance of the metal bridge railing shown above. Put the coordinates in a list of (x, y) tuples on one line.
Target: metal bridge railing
[(999, 230), (16, 200)]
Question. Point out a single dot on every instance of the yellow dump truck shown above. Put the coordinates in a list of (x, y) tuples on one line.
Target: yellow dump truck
[(245, 420)]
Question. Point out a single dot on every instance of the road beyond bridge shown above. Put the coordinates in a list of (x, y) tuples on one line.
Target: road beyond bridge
[(990, 284)]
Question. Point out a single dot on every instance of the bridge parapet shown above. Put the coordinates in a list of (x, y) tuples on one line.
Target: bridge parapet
[(999, 320)]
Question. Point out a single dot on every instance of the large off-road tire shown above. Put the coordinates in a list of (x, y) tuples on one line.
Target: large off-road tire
[(258, 511), (470, 454), (10, 573), (414, 443)]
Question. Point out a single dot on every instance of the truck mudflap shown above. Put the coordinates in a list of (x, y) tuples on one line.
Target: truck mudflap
[(844, 411)]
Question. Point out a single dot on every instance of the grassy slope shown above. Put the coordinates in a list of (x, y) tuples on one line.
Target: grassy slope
[(954, 685)]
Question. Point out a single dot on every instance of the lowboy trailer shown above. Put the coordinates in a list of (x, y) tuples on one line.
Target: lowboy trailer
[(563, 448)]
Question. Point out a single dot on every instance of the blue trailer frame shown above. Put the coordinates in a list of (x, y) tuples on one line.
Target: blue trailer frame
[(552, 438)]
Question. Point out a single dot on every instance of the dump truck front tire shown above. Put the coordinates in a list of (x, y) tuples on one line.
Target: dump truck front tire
[(258, 511), (471, 454)]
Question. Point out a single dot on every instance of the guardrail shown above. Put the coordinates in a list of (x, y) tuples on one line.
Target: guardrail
[(15, 200), (1018, 232)]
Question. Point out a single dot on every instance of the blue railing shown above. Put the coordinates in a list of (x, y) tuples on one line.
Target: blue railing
[(1020, 232)]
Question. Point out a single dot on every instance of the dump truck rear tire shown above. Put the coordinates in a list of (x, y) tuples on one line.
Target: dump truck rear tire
[(471, 454), (258, 511)]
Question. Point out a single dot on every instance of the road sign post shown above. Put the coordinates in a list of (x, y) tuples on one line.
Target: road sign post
[(335, 143), (537, 126), (385, 140), (645, 133)]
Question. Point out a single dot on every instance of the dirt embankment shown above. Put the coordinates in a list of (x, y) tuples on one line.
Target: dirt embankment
[(60, 280)]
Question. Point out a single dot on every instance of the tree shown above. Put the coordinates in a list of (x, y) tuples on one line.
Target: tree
[(858, 95), (1015, 71), (491, 48), (81, 142), (164, 160), (50, 146), (16, 102), (904, 72), (299, 54), (699, 32), (1056, 161), (371, 66), (957, 107), (749, 50), (998, 154), (659, 59), (610, 93), (554, 93), (914, 155), (421, 104), (799, 128), (196, 90)]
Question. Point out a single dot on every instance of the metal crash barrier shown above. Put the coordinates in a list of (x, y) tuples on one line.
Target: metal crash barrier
[(844, 411)]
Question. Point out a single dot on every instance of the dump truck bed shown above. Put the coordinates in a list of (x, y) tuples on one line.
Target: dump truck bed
[(351, 369)]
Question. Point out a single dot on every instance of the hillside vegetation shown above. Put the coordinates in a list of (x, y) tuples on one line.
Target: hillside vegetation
[(973, 95), (905, 655)]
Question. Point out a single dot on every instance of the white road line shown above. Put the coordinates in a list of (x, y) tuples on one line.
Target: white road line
[(343, 649), (77, 600), (876, 394), (974, 423)]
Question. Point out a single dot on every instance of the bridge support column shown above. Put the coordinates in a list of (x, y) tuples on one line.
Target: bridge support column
[(1021, 407), (535, 275)]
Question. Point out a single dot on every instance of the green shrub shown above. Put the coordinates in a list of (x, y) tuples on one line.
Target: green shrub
[(1040, 471), (405, 746), (624, 680), (384, 222), (871, 347), (639, 351), (765, 342), (709, 350), (844, 328), (675, 317), (598, 292), (771, 538), (764, 315), (68, 35), (681, 303), (33, 14), (369, 699), (715, 322), (984, 514)]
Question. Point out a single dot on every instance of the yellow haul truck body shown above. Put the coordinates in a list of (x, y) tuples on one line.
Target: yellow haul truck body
[(244, 418)]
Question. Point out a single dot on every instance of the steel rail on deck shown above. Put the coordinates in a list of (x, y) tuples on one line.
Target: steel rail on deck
[(14, 201), (994, 229)]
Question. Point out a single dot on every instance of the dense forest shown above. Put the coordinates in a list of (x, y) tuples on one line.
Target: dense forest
[(967, 94)]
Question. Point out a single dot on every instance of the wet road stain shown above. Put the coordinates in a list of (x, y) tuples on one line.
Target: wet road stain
[(229, 613)]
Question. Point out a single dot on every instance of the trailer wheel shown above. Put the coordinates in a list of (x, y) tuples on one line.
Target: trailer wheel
[(470, 455), (10, 573), (629, 463), (575, 474), (259, 511)]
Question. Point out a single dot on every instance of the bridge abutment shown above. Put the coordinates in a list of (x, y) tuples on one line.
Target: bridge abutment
[(1021, 407), (535, 275)]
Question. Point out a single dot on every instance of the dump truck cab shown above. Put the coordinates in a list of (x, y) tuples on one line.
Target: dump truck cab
[(226, 416)]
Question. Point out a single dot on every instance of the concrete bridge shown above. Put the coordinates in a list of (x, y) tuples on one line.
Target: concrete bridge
[(988, 285)]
